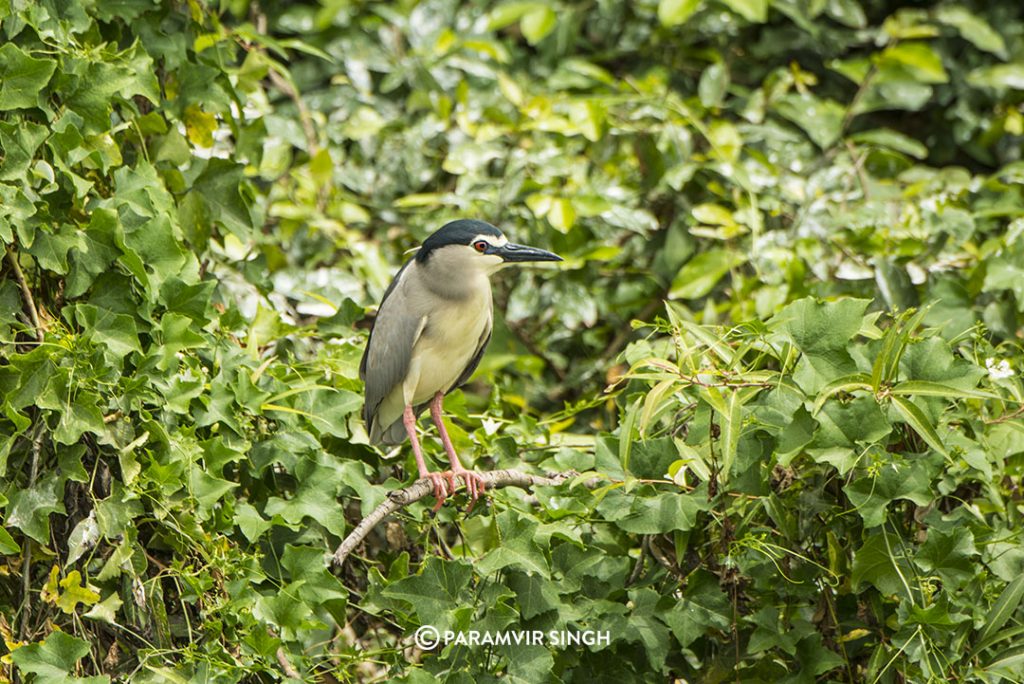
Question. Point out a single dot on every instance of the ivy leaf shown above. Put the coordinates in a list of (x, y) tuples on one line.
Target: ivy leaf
[(53, 659), (517, 548), (220, 186), (22, 78), (19, 144), (704, 607), (30, 507), (896, 479), (652, 514), (880, 562), (74, 592), (435, 592), (199, 126), (950, 555), (8, 547)]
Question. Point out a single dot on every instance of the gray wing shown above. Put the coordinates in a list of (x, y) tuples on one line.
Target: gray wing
[(385, 361), (475, 361)]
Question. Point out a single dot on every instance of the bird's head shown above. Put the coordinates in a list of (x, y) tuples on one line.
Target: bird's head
[(476, 246)]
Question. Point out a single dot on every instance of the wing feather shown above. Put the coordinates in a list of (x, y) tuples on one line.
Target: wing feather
[(385, 361)]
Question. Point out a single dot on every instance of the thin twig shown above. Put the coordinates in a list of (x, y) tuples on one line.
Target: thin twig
[(858, 167), (26, 294), (288, 88), (286, 665), (26, 563), (1006, 416), (424, 487)]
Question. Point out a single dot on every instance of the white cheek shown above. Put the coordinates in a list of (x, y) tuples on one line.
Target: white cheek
[(491, 262)]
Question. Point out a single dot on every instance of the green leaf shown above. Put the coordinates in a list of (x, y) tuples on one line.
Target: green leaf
[(53, 659), (220, 185), (751, 10), (90, 87), (537, 23), (1002, 610), (1001, 77), (973, 28), (950, 555), (95, 252), (534, 594), (881, 563), (19, 144), (51, 249), (893, 140), (896, 479), (703, 607), (821, 120), (435, 591), (676, 12), (22, 78), (652, 514), (30, 508), (74, 592), (700, 275), (916, 418), (847, 383), (919, 59), (8, 547), (517, 548), (927, 388), (284, 609), (106, 610)]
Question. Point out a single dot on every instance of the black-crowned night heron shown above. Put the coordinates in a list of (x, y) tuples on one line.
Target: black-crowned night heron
[(430, 333)]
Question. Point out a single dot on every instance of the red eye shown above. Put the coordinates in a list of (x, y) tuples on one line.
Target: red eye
[(480, 246)]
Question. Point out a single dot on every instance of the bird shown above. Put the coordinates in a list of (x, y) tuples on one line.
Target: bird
[(431, 329)]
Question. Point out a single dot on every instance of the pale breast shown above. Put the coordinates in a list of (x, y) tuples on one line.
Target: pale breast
[(448, 343)]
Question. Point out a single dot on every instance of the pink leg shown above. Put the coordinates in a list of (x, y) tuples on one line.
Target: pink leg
[(438, 479), (475, 484)]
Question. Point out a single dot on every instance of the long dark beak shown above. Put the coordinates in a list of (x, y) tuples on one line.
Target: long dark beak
[(512, 252)]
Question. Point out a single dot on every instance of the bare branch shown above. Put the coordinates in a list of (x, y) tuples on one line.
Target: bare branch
[(26, 294), (421, 488)]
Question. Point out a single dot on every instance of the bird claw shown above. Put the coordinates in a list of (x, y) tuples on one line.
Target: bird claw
[(445, 484), (475, 484), (442, 487)]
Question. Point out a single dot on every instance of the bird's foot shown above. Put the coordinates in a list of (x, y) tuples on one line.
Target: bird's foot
[(443, 486), (475, 484)]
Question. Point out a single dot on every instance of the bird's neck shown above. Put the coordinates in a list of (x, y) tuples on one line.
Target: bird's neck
[(454, 284)]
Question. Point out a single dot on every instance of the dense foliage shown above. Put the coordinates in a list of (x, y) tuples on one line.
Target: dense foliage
[(783, 352)]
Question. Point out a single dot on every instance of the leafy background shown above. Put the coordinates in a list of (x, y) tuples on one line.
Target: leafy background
[(783, 351)]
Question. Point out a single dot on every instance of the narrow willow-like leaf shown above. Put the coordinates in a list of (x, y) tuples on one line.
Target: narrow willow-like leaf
[(917, 420), (1002, 610), (847, 383), (928, 388)]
